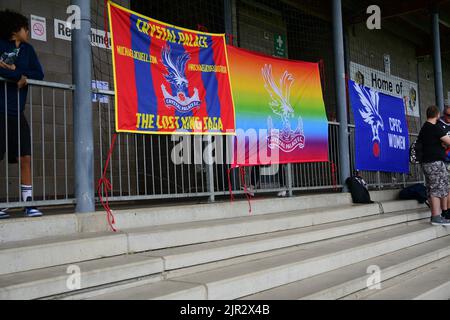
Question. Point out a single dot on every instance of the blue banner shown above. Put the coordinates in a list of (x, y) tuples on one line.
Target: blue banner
[(381, 131)]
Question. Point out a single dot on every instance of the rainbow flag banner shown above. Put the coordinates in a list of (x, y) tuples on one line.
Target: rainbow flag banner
[(280, 113), (168, 80)]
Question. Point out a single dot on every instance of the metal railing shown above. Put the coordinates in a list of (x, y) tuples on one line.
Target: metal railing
[(142, 167)]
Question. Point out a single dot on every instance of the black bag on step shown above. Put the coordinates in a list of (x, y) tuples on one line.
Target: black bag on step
[(358, 189), (415, 192)]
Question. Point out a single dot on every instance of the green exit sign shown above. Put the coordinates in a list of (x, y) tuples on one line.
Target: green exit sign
[(280, 45)]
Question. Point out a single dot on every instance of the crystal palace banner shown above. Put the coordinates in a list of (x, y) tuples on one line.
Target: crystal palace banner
[(167, 79)]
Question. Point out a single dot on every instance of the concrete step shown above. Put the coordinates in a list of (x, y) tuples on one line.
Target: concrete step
[(181, 257), (353, 278), (163, 290), (384, 195), (156, 216), (401, 205), (174, 235), (12, 230), (52, 281), (244, 279), (429, 282), (53, 251), (176, 273)]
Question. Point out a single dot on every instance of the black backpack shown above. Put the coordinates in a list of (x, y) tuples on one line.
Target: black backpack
[(416, 152), (415, 192), (358, 189)]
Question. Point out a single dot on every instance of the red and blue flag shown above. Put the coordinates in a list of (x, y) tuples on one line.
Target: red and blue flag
[(167, 79)]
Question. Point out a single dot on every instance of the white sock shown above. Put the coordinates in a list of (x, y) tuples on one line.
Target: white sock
[(27, 192)]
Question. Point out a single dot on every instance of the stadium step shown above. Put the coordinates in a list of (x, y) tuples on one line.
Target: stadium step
[(342, 282), (52, 251), (52, 280), (158, 248), (429, 282), (174, 235), (259, 274), (181, 257), (19, 229)]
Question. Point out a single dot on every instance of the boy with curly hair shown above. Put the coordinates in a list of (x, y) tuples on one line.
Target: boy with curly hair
[(18, 62)]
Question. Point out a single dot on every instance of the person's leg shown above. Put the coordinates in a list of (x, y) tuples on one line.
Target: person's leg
[(24, 159), (448, 200), (25, 176), (426, 168), (435, 204), (444, 203), (446, 213), (447, 169), (448, 176), (438, 193), (444, 184), (25, 167), (25, 170), (437, 211), (431, 172)]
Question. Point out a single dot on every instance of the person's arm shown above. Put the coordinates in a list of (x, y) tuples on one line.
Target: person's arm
[(446, 140), (438, 132), (35, 69), (8, 73)]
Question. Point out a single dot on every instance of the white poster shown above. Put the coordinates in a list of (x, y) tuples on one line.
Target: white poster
[(102, 85), (38, 28), (98, 37), (391, 85)]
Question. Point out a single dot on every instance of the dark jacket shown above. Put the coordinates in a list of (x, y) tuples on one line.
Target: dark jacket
[(27, 64), (444, 125)]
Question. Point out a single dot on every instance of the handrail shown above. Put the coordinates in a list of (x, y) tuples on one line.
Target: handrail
[(104, 92), (49, 84)]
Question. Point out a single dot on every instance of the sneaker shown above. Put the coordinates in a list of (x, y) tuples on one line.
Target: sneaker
[(32, 212), (446, 214), (439, 221), (4, 214)]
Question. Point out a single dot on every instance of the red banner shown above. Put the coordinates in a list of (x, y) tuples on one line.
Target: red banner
[(168, 80)]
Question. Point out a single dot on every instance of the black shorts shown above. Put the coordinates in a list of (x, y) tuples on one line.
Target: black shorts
[(13, 137)]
